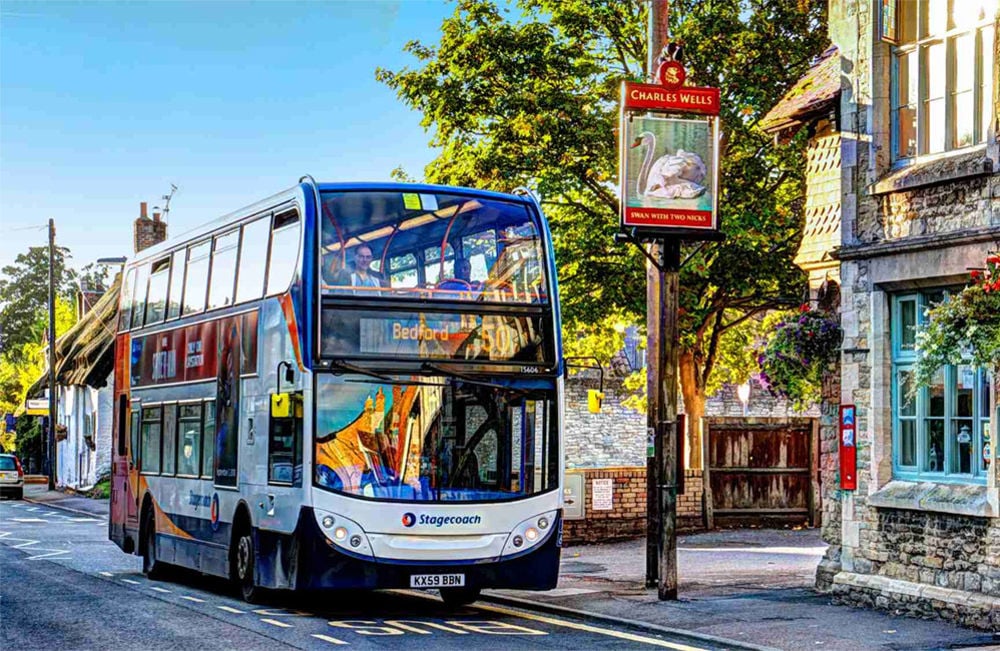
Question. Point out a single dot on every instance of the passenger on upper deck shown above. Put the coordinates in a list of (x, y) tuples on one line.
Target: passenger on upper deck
[(362, 275), (462, 280)]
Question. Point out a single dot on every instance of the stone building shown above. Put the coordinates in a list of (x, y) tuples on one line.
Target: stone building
[(908, 130)]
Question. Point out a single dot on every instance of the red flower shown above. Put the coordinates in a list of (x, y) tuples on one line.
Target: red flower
[(804, 307), (975, 274)]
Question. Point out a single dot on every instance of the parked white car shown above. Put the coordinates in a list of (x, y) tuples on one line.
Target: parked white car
[(11, 476)]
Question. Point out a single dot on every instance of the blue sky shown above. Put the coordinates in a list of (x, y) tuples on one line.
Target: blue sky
[(105, 104)]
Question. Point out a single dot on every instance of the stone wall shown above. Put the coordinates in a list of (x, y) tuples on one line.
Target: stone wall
[(617, 435), (627, 519), (929, 565)]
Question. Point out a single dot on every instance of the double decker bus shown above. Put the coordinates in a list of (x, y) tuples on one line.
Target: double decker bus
[(345, 386)]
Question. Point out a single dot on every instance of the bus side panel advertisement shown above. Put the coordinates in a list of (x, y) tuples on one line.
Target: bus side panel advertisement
[(227, 401), (181, 355)]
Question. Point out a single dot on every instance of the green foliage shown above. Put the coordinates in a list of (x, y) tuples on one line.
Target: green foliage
[(20, 367), (603, 339), (964, 328), (29, 431), (796, 355), (24, 295), (101, 490), (533, 102)]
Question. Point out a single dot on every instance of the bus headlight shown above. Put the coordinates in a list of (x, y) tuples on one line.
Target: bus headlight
[(529, 533), (343, 533)]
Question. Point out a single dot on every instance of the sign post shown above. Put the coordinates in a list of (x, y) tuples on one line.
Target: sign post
[(669, 187)]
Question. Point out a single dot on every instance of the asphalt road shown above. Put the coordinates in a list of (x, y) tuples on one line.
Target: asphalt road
[(63, 585)]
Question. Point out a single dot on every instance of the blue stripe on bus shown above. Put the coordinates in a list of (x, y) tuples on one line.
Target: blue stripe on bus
[(305, 307)]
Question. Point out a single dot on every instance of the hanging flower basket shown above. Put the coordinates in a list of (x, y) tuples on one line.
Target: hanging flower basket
[(796, 355), (964, 329)]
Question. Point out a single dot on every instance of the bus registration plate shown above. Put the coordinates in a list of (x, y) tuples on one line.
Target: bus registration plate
[(437, 580)]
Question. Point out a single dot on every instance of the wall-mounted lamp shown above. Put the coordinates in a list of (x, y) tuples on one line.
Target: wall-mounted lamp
[(743, 393)]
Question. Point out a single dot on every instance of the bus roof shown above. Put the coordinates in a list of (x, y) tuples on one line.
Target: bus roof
[(285, 195)]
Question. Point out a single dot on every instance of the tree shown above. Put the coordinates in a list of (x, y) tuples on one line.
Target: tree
[(24, 295), (21, 367), (532, 100)]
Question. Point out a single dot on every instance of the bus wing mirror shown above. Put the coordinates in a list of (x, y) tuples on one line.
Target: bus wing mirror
[(280, 405)]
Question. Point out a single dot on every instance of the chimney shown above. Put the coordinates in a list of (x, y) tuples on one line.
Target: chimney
[(146, 231)]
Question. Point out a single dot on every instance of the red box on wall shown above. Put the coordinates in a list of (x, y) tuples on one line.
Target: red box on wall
[(848, 448)]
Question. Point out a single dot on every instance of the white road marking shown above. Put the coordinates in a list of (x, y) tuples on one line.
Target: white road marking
[(52, 552), (28, 520), (274, 622), (4, 534), (25, 544), (160, 589), (194, 599), (131, 581), (327, 638), (34, 508), (230, 610), (796, 551), (83, 520), (105, 573)]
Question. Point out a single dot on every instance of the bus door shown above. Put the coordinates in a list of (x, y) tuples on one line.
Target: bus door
[(125, 462), (119, 469), (284, 459)]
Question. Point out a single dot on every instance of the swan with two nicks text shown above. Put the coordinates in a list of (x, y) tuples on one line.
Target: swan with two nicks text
[(671, 176)]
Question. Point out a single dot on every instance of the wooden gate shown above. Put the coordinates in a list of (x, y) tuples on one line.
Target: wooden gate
[(763, 468)]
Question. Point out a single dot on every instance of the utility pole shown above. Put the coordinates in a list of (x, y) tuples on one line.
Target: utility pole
[(662, 294), (51, 447)]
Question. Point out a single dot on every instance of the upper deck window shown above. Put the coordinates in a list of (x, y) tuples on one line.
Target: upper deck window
[(284, 252), (431, 245)]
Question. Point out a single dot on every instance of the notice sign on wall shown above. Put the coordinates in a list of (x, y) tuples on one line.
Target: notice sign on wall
[(602, 494)]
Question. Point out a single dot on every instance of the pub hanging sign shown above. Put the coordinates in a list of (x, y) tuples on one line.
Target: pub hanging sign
[(669, 156)]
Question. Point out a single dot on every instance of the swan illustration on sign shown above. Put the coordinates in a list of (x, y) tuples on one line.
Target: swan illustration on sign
[(671, 176)]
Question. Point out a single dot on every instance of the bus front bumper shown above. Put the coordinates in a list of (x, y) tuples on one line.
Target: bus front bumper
[(321, 565)]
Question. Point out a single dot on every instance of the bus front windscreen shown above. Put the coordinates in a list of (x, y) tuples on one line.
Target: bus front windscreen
[(430, 246), (434, 439)]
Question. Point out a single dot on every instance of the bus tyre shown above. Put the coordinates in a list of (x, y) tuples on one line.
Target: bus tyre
[(455, 597), (152, 568), (244, 566)]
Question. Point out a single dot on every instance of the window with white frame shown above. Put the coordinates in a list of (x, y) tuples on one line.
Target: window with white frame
[(942, 75), (941, 431)]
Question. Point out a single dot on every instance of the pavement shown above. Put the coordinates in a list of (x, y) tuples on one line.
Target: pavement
[(751, 586)]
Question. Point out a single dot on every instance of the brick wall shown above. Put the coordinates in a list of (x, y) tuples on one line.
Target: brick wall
[(628, 517)]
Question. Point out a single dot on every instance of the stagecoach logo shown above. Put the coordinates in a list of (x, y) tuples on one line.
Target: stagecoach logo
[(410, 520), (214, 513)]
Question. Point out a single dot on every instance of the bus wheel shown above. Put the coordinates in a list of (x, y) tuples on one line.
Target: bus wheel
[(455, 597), (151, 567), (244, 561)]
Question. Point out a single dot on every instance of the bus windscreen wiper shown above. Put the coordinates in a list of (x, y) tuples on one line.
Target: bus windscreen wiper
[(437, 368), (354, 368)]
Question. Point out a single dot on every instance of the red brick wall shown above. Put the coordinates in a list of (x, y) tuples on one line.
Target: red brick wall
[(627, 519)]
